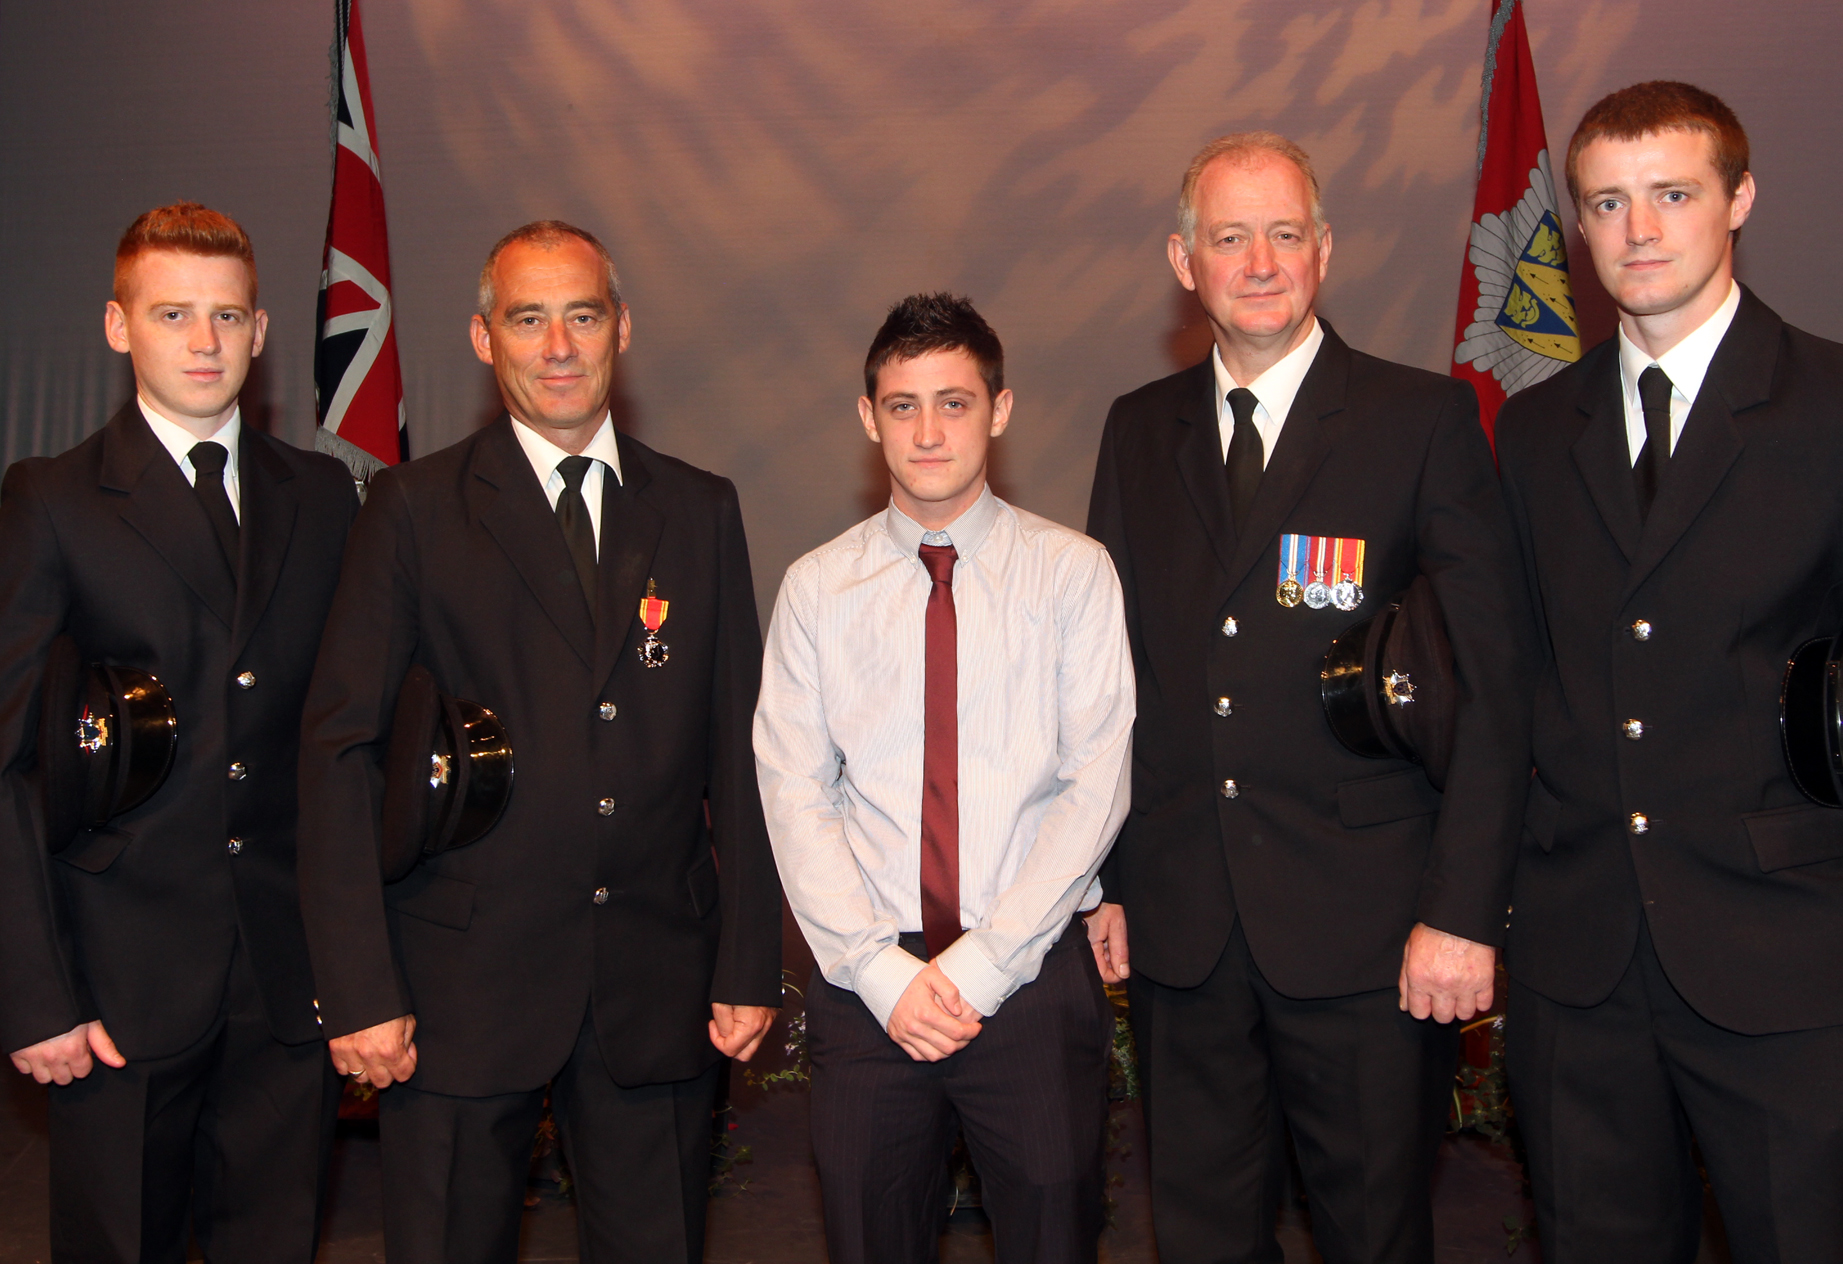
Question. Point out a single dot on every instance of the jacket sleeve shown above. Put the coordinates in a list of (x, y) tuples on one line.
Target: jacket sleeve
[(1107, 524), (749, 953), (41, 991), (1468, 551), (365, 652)]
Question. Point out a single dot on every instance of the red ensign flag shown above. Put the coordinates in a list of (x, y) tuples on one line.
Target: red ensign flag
[(1516, 321), (357, 383)]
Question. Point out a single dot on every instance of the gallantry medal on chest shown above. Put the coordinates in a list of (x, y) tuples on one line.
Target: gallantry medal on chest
[(1319, 571), (653, 651)]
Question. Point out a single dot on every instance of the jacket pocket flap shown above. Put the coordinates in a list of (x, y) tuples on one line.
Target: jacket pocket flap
[(1795, 836), (703, 882), (433, 897), (1394, 796), (1541, 814), (94, 850)]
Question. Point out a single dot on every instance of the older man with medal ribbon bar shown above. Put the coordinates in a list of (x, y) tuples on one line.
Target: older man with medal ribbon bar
[(616, 932), (1306, 926)]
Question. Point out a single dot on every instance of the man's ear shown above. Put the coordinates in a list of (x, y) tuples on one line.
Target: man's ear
[(1001, 412), (1741, 205), (262, 333), (483, 346), (1179, 254), (867, 413), (115, 326)]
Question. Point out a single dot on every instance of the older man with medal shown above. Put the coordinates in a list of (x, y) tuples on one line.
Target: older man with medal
[(1306, 924)]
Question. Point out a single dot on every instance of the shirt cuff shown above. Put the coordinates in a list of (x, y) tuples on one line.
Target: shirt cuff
[(982, 985), (883, 980)]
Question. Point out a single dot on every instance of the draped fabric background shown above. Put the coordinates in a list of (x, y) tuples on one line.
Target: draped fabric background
[(772, 175)]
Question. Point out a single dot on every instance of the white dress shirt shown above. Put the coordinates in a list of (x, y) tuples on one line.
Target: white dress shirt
[(546, 456), (176, 439), (1273, 391), (1045, 712), (1685, 364)]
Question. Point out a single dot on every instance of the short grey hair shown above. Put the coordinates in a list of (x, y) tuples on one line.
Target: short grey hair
[(1244, 148), (546, 234)]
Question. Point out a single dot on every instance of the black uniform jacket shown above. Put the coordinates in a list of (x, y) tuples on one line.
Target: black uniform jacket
[(600, 881), (1683, 623), (135, 923), (1328, 857)]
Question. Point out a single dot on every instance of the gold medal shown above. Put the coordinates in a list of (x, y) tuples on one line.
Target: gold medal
[(1292, 556), (1289, 594)]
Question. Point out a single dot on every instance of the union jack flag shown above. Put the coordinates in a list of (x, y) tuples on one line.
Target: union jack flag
[(358, 385)]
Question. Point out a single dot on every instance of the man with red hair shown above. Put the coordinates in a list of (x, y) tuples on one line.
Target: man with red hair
[(156, 970), (1676, 940)]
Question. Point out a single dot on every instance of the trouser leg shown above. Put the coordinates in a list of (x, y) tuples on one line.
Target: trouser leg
[(264, 1140), (455, 1170), (1607, 1137), (639, 1157), (882, 1128), (1365, 1089), (1767, 1114), (1031, 1095), (1212, 1123)]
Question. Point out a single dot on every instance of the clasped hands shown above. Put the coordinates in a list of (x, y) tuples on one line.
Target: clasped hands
[(931, 1020), (385, 1054)]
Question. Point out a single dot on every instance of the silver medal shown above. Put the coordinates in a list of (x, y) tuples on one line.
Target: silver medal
[(1317, 595)]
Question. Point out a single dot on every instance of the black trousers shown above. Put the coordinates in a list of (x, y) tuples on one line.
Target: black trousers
[(1364, 1089), (1030, 1095), (234, 1132), (1608, 1097), (455, 1168)]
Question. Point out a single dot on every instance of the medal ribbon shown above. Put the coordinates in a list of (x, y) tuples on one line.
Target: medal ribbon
[(1290, 546), (653, 612), (1350, 561), (1320, 546)]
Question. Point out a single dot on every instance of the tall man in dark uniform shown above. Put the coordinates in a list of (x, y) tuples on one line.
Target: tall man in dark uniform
[(156, 973), (593, 940), (1305, 923), (1676, 950)]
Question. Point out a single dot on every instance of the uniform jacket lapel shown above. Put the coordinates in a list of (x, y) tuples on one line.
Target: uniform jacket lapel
[(1602, 454), (1200, 463), (511, 505), (165, 510), (1739, 377), (1304, 444), (631, 527), (266, 508)]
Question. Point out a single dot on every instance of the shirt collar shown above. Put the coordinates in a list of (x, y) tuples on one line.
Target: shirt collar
[(967, 532), (176, 439), (545, 456), (1277, 387), (1687, 363)]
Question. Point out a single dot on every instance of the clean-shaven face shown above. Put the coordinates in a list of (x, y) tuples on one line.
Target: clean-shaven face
[(1256, 260), (189, 323), (553, 334), (1657, 218), (935, 420)]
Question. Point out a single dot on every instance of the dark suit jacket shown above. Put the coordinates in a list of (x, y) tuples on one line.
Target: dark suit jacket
[(498, 948), (1328, 857), (135, 923), (1739, 878)]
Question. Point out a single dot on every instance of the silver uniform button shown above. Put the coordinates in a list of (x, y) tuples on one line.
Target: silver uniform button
[(1230, 790), (1633, 729), (1225, 706), (1230, 627), (238, 772), (1641, 631), (246, 679), (605, 807), (606, 711), (1638, 823), (601, 895), (234, 847)]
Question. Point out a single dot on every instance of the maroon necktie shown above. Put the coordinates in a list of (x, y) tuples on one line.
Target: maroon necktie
[(940, 816)]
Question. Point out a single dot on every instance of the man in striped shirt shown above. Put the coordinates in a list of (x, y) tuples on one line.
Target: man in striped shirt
[(943, 742)]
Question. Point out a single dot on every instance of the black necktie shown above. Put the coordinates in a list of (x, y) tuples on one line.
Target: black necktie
[(1654, 396), (208, 461), (1246, 456), (573, 517)]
